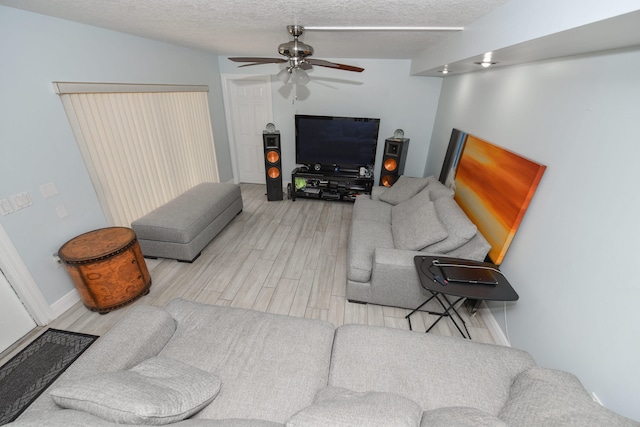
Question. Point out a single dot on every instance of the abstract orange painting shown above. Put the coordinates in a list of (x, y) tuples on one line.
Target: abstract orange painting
[(494, 187)]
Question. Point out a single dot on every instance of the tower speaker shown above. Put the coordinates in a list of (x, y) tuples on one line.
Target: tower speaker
[(393, 159), (272, 164)]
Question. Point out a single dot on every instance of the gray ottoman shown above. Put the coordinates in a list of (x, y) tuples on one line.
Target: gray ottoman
[(181, 228)]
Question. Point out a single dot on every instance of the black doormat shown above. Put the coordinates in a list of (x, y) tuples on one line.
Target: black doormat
[(30, 372)]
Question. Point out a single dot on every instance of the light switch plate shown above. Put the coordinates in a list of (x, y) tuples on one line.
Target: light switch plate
[(21, 200), (5, 207)]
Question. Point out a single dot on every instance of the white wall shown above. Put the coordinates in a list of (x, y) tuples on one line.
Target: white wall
[(519, 21), (574, 259), (384, 90), (37, 145)]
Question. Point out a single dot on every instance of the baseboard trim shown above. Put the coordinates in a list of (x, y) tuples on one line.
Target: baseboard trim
[(492, 325), (65, 303)]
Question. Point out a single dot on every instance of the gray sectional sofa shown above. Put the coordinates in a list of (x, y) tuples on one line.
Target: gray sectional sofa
[(222, 366), (416, 216)]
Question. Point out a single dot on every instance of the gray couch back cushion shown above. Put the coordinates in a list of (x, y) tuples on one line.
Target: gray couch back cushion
[(403, 189), (270, 366), (431, 370), (459, 227), (415, 223)]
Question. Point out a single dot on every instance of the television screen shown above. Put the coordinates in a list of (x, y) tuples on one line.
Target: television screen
[(342, 141)]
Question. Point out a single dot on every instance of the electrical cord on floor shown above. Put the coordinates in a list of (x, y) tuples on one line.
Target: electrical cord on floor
[(506, 323)]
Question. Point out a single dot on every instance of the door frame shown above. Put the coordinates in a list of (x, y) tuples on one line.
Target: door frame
[(226, 79), (22, 282)]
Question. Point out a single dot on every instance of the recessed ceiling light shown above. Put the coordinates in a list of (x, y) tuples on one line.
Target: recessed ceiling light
[(485, 64)]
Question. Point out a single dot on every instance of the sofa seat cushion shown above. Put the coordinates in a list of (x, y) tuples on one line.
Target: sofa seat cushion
[(157, 391), (367, 209), (74, 418), (364, 238), (403, 189), (415, 223), (433, 371), (460, 417), (458, 226), (183, 218), (336, 407), (270, 366)]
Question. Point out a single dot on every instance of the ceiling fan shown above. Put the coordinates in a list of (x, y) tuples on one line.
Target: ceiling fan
[(297, 55)]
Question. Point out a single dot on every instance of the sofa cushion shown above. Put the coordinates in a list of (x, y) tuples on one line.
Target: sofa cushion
[(541, 396), (431, 370), (271, 366), (415, 223), (367, 209), (436, 189), (73, 418), (157, 391), (364, 238), (459, 227), (460, 417), (335, 406), (183, 218), (403, 189)]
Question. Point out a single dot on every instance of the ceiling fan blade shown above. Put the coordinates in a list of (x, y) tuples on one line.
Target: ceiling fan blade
[(251, 64), (323, 63), (257, 61)]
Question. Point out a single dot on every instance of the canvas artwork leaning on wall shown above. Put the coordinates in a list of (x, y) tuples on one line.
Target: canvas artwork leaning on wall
[(494, 187)]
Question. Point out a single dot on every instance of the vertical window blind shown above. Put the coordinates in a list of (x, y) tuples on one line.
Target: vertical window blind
[(143, 145)]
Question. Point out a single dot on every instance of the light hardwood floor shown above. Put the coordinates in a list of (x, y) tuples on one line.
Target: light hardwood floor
[(280, 257)]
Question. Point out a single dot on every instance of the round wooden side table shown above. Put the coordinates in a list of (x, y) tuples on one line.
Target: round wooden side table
[(107, 268)]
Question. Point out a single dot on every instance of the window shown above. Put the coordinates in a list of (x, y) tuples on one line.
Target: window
[(143, 145)]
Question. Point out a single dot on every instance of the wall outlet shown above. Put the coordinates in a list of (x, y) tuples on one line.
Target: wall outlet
[(5, 207), (61, 211)]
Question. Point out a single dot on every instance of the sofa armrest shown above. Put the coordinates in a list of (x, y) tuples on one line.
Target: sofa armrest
[(139, 335), (376, 192), (387, 259), (394, 279), (541, 396)]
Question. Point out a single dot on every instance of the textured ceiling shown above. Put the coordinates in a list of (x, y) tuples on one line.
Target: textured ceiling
[(257, 27)]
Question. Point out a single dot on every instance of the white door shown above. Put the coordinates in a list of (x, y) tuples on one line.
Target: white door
[(249, 101), (15, 321)]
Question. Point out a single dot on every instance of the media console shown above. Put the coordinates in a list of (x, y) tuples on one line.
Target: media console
[(328, 185)]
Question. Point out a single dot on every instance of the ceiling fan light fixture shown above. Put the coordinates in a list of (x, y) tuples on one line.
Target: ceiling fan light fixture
[(284, 75), (295, 53), (299, 76)]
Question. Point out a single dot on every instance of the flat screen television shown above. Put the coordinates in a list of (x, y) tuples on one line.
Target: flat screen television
[(346, 142)]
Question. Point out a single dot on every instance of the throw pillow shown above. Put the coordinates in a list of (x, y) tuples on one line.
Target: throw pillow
[(404, 188), (157, 391), (415, 223), (438, 189), (459, 227), (460, 417), (336, 406)]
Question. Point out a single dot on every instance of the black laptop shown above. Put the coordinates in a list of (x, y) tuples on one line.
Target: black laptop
[(469, 274)]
